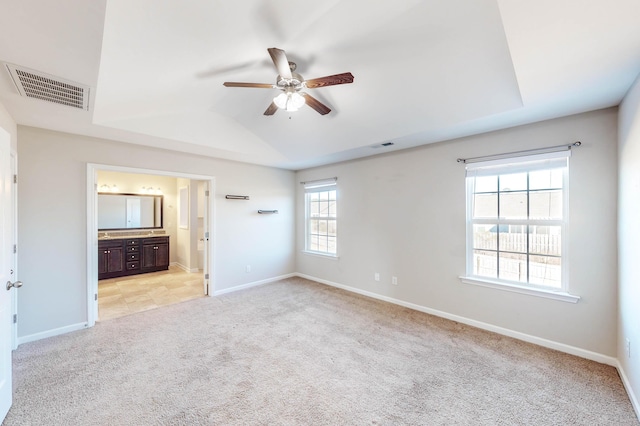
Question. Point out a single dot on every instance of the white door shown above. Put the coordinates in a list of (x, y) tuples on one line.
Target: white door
[(6, 260)]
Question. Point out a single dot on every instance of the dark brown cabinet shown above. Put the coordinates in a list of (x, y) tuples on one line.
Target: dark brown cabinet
[(155, 253), (110, 258), (121, 257)]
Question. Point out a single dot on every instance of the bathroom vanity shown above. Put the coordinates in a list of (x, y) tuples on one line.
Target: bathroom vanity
[(131, 248), (119, 257)]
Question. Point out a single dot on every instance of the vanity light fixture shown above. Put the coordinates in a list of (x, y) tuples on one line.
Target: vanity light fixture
[(106, 188)]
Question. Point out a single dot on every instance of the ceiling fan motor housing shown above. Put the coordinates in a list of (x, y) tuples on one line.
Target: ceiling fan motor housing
[(296, 81)]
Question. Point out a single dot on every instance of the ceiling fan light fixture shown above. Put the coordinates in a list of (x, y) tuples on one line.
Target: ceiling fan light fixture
[(289, 101)]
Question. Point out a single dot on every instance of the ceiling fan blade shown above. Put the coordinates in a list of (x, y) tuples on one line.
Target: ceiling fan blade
[(281, 62), (257, 85), (330, 80), (316, 104), (272, 109)]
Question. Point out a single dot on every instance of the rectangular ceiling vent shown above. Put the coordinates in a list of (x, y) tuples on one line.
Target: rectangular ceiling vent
[(37, 85)]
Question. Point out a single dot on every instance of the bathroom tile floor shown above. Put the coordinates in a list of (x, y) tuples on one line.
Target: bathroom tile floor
[(122, 296)]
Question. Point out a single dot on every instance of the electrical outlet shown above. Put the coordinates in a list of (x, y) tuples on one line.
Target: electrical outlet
[(628, 348), (394, 280), (247, 269), (376, 276)]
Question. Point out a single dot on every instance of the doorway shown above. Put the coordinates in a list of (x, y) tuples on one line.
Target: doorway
[(191, 249)]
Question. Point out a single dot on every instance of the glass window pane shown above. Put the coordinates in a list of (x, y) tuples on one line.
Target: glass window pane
[(322, 244), (545, 204), (313, 196), (485, 237), (313, 242), (313, 226), (545, 240), (513, 182), (331, 245), (545, 179), (332, 228), (513, 238), (322, 227), (324, 195), (546, 271), (485, 263), (324, 208), (513, 205), (513, 267), (486, 184), (332, 209), (332, 195), (485, 205), (314, 209)]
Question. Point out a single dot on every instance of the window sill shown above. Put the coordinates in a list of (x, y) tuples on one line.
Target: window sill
[(322, 255), (549, 294)]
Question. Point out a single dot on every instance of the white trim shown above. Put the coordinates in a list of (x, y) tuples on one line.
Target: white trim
[(572, 350), (320, 254), (184, 268), (501, 285), (51, 333), (92, 227), (253, 284), (627, 385)]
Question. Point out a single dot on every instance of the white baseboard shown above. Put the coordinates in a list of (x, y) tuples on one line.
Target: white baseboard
[(51, 333), (629, 389), (184, 268), (252, 284), (583, 353)]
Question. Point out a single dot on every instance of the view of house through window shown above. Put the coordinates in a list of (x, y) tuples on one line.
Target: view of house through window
[(516, 212), (321, 217)]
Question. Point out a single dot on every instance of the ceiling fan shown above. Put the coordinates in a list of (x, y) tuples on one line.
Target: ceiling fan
[(292, 84)]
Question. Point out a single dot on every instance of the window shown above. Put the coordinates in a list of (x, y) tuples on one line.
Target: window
[(516, 221), (321, 217)]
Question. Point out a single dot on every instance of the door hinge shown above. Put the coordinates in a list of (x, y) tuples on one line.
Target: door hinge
[(206, 277), (206, 235), (15, 178), (15, 318), (95, 297), (206, 193), (15, 248)]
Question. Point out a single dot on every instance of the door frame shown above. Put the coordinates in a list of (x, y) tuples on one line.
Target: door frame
[(14, 235), (92, 229)]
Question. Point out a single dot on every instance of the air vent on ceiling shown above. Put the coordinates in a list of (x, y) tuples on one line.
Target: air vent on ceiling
[(383, 145), (37, 85)]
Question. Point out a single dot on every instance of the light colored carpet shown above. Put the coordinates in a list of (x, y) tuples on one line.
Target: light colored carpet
[(296, 352)]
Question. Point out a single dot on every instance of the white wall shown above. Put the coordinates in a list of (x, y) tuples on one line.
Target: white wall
[(52, 212), (628, 237), (9, 125), (403, 214), (132, 183)]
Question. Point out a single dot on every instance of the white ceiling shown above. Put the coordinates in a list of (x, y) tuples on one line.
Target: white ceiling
[(425, 70)]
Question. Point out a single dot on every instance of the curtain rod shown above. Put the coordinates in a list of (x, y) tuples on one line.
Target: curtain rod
[(517, 153), (320, 180)]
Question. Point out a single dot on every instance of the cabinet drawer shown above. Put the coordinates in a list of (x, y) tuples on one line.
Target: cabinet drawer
[(132, 242), (133, 256), (133, 249), (133, 265)]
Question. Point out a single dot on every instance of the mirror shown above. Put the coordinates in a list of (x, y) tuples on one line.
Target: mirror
[(129, 211)]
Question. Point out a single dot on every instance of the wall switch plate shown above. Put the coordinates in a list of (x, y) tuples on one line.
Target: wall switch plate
[(394, 280), (376, 276)]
